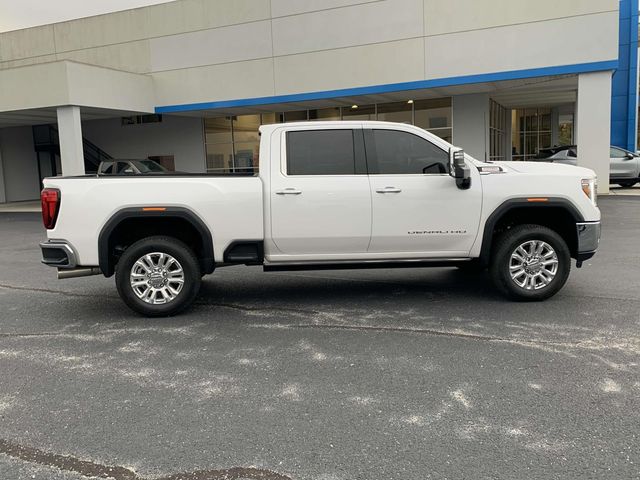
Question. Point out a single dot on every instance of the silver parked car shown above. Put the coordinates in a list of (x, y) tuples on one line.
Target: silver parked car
[(624, 165)]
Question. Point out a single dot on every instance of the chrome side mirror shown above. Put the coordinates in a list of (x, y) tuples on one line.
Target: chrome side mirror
[(458, 169)]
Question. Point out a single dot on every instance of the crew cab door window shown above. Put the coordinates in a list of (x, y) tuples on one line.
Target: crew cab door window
[(403, 153), (321, 152)]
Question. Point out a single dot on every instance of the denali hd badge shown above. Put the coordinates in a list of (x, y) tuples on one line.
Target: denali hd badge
[(436, 232)]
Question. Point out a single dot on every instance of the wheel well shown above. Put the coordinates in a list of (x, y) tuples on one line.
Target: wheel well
[(128, 227), (560, 219)]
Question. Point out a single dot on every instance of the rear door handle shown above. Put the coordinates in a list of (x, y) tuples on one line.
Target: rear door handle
[(289, 191), (389, 190)]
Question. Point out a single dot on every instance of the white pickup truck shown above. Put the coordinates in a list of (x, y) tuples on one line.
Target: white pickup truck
[(328, 195)]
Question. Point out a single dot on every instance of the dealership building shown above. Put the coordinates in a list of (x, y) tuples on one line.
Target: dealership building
[(188, 83)]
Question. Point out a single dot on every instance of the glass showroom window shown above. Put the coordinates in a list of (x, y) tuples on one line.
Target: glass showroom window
[(246, 143), (530, 131), (434, 115), (325, 114), (565, 129), (218, 144), (359, 112), (497, 129), (295, 116), (401, 112), (232, 143)]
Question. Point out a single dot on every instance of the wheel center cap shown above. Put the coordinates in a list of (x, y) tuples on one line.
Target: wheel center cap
[(157, 279), (533, 265)]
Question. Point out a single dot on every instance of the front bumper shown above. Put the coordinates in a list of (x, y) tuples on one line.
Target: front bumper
[(58, 253), (588, 239)]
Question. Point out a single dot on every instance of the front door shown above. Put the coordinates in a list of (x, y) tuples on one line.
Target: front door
[(320, 200), (417, 207)]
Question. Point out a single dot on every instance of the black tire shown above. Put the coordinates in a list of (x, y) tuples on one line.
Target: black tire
[(506, 245), (627, 184), (184, 257)]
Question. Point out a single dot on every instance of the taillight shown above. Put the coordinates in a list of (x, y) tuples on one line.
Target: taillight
[(50, 199)]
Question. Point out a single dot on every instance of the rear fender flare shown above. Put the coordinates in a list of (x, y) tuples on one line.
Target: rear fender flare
[(107, 266)]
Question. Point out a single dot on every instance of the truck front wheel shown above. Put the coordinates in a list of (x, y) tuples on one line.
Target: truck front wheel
[(530, 263), (158, 276)]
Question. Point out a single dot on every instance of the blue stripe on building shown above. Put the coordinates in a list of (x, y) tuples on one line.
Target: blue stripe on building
[(398, 87), (624, 88)]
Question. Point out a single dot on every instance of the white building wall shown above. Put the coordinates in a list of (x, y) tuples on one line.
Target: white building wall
[(204, 50), (566, 41), (181, 137), (19, 163)]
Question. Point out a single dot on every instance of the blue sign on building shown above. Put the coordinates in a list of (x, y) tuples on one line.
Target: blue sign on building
[(624, 88)]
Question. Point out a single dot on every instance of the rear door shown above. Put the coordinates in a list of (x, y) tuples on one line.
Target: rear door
[(319, 194), (418, 211)]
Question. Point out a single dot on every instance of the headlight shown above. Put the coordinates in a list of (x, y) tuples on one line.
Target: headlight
[(589, 186)]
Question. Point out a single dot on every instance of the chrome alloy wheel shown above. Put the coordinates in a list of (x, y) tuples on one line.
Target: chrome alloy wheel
[(533, 265), (156, 278)]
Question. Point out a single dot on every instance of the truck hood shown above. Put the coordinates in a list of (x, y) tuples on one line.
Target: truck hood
[(544, 168)]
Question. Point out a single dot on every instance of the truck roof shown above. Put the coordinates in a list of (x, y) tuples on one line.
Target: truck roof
[(332, 123)]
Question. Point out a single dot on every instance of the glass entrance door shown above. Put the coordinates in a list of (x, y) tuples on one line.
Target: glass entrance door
[(530, 131)]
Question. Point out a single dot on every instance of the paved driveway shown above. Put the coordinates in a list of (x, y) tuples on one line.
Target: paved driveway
[(397, 374)]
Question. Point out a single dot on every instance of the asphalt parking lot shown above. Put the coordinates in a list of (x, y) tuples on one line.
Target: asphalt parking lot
[(379, 374)]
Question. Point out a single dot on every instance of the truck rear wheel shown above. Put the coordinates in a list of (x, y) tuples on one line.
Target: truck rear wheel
[(158, 276), (530, 263)]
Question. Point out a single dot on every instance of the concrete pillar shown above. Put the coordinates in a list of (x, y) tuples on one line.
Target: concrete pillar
[(508, 138), (593, 122), (471, 124), (70, 136)]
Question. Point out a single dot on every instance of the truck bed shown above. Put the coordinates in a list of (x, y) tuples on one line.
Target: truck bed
[(230, 206)]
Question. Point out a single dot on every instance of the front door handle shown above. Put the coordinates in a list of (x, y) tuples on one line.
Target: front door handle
[(289, 191), (388, 190)]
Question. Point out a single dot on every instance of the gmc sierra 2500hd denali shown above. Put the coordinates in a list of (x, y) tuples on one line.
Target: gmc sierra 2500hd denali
[(328, 195)]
